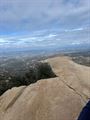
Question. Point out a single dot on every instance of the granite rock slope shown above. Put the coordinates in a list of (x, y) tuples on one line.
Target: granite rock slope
[(57, 98)]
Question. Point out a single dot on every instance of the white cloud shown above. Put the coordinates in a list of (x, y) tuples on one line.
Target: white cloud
[(75, 29), (51, 35), (75, 43), (47, 39), (25, 15), (2, 40)]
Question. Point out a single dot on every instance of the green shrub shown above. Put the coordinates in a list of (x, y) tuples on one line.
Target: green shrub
[(36, 72)]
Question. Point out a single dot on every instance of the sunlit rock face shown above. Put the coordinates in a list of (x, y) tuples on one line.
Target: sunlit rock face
[(57, 98)]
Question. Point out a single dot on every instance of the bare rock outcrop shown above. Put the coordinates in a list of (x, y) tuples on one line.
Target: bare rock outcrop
[(60, 98)]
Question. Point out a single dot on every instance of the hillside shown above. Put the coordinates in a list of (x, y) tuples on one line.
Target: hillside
[(57, 98)]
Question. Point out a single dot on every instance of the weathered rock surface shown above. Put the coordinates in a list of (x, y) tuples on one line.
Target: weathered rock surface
[(60, 98)]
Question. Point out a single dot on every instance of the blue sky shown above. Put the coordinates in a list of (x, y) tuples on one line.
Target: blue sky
[(26, 22)]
